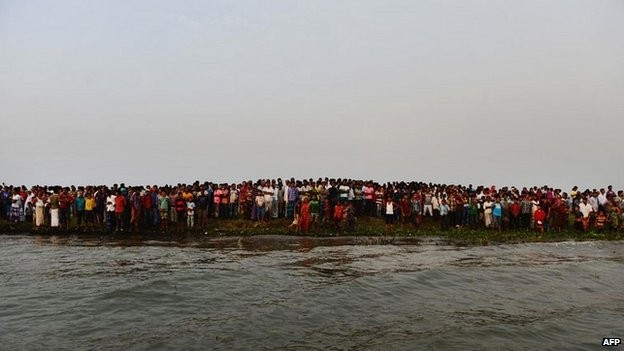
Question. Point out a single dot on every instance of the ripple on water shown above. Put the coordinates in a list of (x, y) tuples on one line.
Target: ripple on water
[(78, 294)]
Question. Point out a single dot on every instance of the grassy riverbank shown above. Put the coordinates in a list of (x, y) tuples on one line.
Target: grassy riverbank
[(369, 227)]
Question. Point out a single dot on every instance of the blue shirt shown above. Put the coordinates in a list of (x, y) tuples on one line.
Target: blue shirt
[(444, 209), (497, 211), (80, 203), (293, 194)]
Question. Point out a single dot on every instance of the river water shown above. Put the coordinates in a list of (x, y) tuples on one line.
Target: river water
[(84, 294)]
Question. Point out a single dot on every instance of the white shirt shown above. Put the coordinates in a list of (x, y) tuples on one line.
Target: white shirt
[(233, 195), (389, 208), (435, 204), (17, 201), (305, 190), (593, 202), (602, 199), (534, 204), (190, 207), (585, 209), (29, 199), (268, 193), (344, 191), (487, 205), (110, 203)]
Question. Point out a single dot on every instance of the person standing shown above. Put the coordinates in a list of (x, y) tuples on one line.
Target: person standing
[(435, 203), (515, 210), (602, 200), (281, 199), (180, 209), (473, 213), (338, 215), (268, 192), (406, 208), (305, 216), (190, 213), (136, 204), (487, 212), (65, 203), (379, 199), (163, 209), (497, 214), (16, 206), (202, 206), (100, 207), (110, 210), (234, 199), (89, 210), (146, 207), (391, 209), (40, 202), (54, 209), (217, 193), (275, 203), (225, 200), (259, 204), (314, 210), (293, 198), (539, 217), (526, 212), (369, 199), (79, 205), (120, 208), (586, 209), (444, 215)]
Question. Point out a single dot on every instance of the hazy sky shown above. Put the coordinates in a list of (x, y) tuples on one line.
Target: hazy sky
[(484, 92)]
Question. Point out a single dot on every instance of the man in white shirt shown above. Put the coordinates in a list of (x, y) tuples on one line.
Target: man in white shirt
[(305, 190), (110, 211), (343, 190), (593, 201), (435, 205), (602, 199), (268, 191), (585, 208)]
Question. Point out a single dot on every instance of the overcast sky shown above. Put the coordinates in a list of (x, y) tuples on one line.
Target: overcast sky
[(484, 92)]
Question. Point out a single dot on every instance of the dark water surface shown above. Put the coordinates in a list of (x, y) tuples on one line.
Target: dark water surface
[(83, 295)]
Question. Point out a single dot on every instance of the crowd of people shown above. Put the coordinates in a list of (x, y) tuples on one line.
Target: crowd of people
[(306, 203)]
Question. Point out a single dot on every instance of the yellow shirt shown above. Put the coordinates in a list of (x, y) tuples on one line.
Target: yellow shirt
[(89, 204)]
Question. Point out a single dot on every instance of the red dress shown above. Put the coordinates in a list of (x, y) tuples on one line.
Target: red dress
[(305, 217), (539, 217)]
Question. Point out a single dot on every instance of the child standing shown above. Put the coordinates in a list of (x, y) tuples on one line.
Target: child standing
[(163, 209), (190, 214), (314, 209)]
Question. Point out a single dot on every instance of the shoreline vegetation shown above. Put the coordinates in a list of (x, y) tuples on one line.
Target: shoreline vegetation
[(368, 231)]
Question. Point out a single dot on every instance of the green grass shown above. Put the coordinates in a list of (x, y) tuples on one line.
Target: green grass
[(364, 227)]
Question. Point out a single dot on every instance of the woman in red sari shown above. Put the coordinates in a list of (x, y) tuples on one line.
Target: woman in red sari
[(305, 216)]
